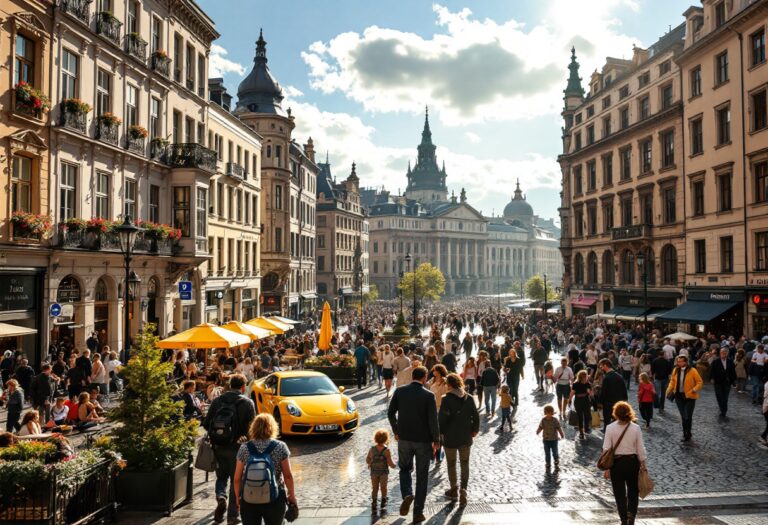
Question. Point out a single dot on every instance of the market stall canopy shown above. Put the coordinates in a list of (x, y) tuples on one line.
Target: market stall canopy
[(680, 336), (278, 324), (583, 301), (10, 330), (254, 332), (205, 336), (326, 328), (262, 323), (284, 320), (696, 312)]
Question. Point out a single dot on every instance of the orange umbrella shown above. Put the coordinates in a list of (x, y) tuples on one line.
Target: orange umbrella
[(326, 328)]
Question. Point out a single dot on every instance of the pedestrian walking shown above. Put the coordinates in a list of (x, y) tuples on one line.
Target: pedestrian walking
[(757, 373), (469, 376), (563, 378), (41, 392), (387, 364), (514, 372), (439, 387), (362, 359), (379, 461), (661, 367), (626, 440), (646, 393), (14, 401), (413, 416), (400, 367), (539, 356), (581, 392), (612, 390), (684, 386), (625, 365), (551, 431), (722, 374), (740, 363), (459, 423), (489, 380), (505, 403)]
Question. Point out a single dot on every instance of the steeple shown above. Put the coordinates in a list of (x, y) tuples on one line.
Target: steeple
[(426, 135), (259, 92), (426, 182), (353, 176), (261, 48), (574, 80), (518, 192)]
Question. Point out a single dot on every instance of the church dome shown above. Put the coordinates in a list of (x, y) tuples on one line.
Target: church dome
[(259, 92), (518, 207)]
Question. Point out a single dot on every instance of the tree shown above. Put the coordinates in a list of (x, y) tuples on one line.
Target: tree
[(534, 289), (430, 283), (372, 295)]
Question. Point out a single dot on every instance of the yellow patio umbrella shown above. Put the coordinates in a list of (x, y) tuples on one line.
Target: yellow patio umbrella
[(254, 332), (278, 323), (262, 323), (326, 328), (205, 336)]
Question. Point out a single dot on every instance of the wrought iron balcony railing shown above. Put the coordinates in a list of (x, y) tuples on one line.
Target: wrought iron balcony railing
[(161, 63), (191, 155), (233, 169), (634, 231), (107, 132), (108, 26), (80, 9), (136, 46), (73, 120)]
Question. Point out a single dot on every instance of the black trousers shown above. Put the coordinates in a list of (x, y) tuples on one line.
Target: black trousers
[(581, 404), (607, 416), (685, 406), (624, 482), (721, 393)]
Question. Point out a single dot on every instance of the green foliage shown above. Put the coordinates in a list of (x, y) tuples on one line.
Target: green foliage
[(372, 295), (400, 327), (29, 451), (152, 433), (25, 474), (534, 289), (430, 283)]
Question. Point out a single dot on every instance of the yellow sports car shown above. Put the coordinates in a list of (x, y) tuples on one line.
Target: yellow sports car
[(305, 402)]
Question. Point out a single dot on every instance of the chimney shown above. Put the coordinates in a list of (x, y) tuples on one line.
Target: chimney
[(218, 93)]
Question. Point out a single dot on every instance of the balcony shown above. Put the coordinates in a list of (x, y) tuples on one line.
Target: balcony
[(157, 147), (73, 120), (191, 155), (161, 63), (135, 144), (80, 9), (110, 242), (635, 231), (136, 46), (107, 132), (108, 26), (233, 169)]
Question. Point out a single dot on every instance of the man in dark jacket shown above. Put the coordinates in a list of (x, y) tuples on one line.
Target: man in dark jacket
[(539, 357), (413, 416), (722, 373), (24, 375), (362, 357), (449, 361), (230, 402), (661, 368), (84, 364), (459, 424), (41, 392), (613, 390)]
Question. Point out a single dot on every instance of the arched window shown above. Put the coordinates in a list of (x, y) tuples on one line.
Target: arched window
[(100, 292), (627, 267), (669, 265), (608, 271), (152, 287), (69, 290), (592, 268), (650, 266), (578, 265)]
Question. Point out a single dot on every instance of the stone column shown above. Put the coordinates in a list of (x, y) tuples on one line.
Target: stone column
[(466, 258), (448, 269), (437, 254), (476, 261)]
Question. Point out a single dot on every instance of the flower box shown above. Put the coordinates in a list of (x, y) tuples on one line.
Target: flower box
[(30, 226), (30, 101)]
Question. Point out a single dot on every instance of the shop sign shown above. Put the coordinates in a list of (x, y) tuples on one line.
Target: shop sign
[(17, 292), (760, 300), (185, 290), (716, 296)]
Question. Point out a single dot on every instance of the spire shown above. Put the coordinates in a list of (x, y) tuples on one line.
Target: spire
[(426, 135), (353, 175), (326, 157), (518, 192), (261, 48), (574, 80)]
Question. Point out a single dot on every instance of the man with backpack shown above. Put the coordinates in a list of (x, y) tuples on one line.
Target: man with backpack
[(227, 422)]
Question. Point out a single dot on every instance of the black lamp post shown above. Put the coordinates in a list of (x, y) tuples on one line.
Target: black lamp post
[(408, 259), (644, 276), (400, 293), (127, 233), (544, 313)]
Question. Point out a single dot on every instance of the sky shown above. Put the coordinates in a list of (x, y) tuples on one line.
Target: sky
[(358, 74)]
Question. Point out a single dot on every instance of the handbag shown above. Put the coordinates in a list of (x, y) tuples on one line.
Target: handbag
[(605, 461), (644, 483), (573, 418), (206, 459), (596, 421)]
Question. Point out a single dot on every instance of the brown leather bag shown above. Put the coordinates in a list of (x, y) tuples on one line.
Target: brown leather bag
[(605, 462)]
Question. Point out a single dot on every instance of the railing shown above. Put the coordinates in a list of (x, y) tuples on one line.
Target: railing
[(136, 46), (110, 241), (80, 9), (22, 107), (234, 170), (108, 26), (634, 231), (161, 64), (157, 149), (21, 233), (73, 120), (135, 144), (107, 132), (191, 155)]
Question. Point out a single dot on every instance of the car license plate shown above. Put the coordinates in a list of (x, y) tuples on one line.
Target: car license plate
[(327, 427)]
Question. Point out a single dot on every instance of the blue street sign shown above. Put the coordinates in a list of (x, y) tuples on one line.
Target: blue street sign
[(185, 290), (55, 310)]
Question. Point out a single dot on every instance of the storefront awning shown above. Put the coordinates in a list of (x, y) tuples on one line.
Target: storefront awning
[(696, 312), (10, 330), (347, 290), (309, 296), (629, 313), (654, 314), (583, 301)]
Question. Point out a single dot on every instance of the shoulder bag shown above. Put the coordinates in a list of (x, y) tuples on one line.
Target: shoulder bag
[(605, 462), (205, 460), (644, 482)]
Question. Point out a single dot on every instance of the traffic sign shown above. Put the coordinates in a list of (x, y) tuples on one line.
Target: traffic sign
[(185, 290), (55, 310)]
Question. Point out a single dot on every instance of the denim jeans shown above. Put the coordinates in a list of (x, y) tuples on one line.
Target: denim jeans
[(685, 406), (225, 474), (406, 452), (489, 393), (757, 387), (550, 448), (661, 391)]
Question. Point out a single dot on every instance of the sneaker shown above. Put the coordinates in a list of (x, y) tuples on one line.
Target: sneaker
[(221, 508), (405, 506), (452, 494), (462, 498), (418, 518)]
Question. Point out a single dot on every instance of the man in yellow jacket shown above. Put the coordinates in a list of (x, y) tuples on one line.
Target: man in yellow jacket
[(684, 386)]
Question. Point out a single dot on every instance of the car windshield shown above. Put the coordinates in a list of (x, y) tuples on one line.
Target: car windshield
[(307, 386)]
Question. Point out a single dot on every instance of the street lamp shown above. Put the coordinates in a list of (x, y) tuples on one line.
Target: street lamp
[(408, 259), (644, 275), (544, 313), (126, 234)]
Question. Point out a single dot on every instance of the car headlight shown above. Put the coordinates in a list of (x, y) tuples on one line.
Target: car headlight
[(293, 410), (350, 406)]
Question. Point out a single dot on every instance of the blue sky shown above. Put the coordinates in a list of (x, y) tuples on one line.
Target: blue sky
[(358, 74)]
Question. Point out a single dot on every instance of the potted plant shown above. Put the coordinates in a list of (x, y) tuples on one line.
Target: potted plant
[(96, 225), (160, 53), (31, 100), (30, 225), (339, 368), (109, 119), (73, 224), (151, 434), (137, 132), (75, 106)]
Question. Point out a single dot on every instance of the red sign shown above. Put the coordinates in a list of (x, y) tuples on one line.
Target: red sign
[(760, 300)]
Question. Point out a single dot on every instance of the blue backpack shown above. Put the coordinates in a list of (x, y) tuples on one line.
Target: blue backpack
[(260, 484)]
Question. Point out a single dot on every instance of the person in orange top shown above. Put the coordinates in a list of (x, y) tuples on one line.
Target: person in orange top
[(684, 386)]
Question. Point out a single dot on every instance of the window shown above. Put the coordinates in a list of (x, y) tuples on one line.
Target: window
[(590, 134), (21, 184), (726, 254), (606, 102), (670, 205), (103, 92), (201, 213), (321, 263), (696, 81), (254, 209), (723, 117), (131, 108), (181, 209), (627, 267), (719, 14), (761, 250), (176, 133), (697, 190), (697, 136), (577, 188), (606, 126), (759, 111), (626, 210), (189, 130), (579, 223), (201, 72), (278, 239), (623, 92), (668, 149), (130, 199), (669, 265), (591, 175), (578, 265), (608, 170), (67, 191), (644, 79), (102, 195), (624, 117), (155, 128), (592, 268), (578, 141), (156, 41), (608, 272), (721, 68), (646, 208), (758, 47), (646, 156), (132, 19), (578, 118), (761, 181), (69, 62), (154, 203), (626, 163), (665, 67), (278, 197), (725, 196), (645, 107), (700, 255), (24, 62), (607, 217), (592, 219), (177, 57), (666, 96)]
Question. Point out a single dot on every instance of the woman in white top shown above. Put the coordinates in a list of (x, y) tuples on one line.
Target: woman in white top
[(30, 424), (563, 378), (629, 457), (401, 368), (387, 365), (99, 374)]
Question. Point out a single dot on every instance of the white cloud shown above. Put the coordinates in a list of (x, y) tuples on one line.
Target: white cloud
[(220, 65), (474, 138), (472, 69)]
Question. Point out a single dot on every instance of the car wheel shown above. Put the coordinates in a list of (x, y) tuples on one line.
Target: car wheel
[(279, 422)]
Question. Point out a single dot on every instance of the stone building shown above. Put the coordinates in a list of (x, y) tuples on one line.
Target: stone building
[(342, 237), (289, 185)]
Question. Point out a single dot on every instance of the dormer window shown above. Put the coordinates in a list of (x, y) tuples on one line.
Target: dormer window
[(720, 15)]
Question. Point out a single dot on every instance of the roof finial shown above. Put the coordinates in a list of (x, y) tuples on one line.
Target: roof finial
[(261, 46), (326, 156)]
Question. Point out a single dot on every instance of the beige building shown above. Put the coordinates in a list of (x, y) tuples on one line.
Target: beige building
[(233, 279), (342, 237), (289, 185), (138, 151)]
